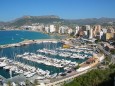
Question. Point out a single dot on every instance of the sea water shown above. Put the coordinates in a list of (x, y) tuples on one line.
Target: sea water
[(15, 36)]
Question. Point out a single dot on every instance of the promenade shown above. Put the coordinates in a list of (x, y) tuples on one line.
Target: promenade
[(62, 80)]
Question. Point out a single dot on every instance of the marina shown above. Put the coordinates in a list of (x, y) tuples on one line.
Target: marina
[(44, 60), (45, 56)]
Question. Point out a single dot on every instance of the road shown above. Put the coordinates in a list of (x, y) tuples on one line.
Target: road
[(112, 57)]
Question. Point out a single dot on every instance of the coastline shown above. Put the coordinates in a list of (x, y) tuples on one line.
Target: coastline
[(48, 36)]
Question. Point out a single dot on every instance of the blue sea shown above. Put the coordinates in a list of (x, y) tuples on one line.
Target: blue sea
[(14, 36)]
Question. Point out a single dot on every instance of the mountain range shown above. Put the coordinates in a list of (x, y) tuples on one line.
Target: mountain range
[(49, 19)]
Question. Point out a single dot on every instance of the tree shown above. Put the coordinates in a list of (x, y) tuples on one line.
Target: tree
[(94, 78), (112, 51), (78, 66), (9, 83), (98, 40), (72, 34)]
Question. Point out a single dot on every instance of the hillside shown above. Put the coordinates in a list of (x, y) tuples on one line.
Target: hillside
[(28, 20), (92, 21)]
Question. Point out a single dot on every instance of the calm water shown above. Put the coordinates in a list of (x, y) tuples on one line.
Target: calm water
[(32, 48), (6, 74), (8, 37)]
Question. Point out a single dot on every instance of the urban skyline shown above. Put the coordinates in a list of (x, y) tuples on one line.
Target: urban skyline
[(66, 9)]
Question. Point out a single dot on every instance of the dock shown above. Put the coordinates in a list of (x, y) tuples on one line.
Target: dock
[(27, 42)]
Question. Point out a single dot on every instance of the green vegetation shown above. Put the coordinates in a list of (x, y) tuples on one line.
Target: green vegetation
[(29, 21), (9, 83), (107, 60), (72, 34), (95, 77), (78, 66), (97, 41), (112, 51)]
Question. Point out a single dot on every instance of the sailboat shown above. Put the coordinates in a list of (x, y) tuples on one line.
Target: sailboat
[(10, 73), (12, 38)]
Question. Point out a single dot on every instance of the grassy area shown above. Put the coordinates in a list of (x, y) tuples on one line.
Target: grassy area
[(95, 77)]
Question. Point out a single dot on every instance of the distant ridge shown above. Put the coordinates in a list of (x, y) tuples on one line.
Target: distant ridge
[(49, 19), (91, 21), (38, 17), (27, 20)]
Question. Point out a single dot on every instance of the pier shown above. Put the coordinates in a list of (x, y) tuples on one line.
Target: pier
[(27, 42)]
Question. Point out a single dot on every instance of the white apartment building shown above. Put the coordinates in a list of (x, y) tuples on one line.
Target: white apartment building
[(104, 30), (77, 29), (62, 29), (88, 27), (47, 29), (101, 34), (52, 28), (70, 31), (91, 33)]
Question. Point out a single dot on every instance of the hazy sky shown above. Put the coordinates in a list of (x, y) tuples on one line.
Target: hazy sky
[(69, 9)]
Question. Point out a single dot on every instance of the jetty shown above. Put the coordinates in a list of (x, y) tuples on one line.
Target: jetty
[(27, 42)]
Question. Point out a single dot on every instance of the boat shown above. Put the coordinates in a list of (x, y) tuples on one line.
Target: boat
[(40, 78), (54, 75), (7, 67), (30, 75), (26, 73), (2, 64)]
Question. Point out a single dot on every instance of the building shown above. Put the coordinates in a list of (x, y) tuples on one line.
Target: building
[(47, 29), (81, 33), (88, 32), (108, 47), (113, 36), (97, 29), (88, 27), (26, 27), (110, 30), (90, 60), (107, 36), (62, 30), (77, 29), (52, 28), (70, 31), (101, 34), (91, 33), (104, 30)]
